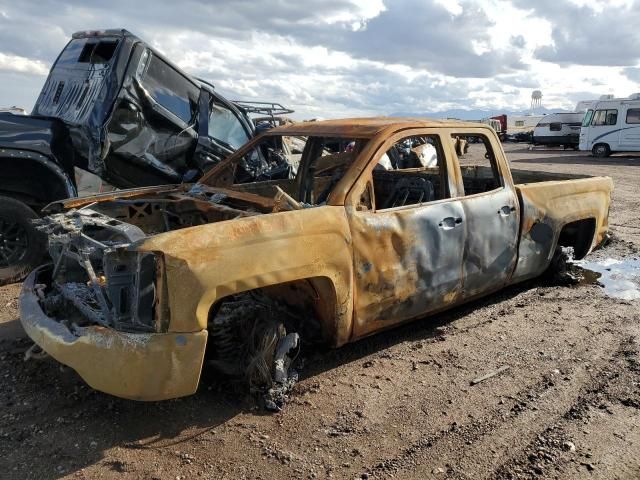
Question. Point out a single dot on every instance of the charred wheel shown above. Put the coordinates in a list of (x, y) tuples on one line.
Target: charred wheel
[(248, 340), (22, 247)]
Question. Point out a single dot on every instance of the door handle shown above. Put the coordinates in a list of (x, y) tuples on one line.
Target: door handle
[(506, 210), (450, 222)]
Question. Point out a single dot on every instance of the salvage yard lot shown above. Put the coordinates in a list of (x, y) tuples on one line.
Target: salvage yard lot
[(397, 404)]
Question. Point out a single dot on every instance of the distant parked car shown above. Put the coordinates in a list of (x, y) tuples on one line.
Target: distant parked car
[(519, 137)]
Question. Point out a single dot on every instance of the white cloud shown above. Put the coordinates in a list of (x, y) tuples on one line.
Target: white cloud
[(452, 6), (364, 10), (15, 63), (355, 57)]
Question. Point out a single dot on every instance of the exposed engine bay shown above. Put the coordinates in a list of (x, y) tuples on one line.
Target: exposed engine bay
[(99, 278)]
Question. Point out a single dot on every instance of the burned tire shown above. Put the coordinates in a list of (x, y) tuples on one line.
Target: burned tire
[(248, 340), (601, 150), (22, 247)]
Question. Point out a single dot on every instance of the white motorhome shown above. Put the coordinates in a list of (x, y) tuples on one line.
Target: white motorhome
[(612, 125), (558, 129)]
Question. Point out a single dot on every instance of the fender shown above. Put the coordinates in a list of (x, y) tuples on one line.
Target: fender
[(8, 155), (207, 263)]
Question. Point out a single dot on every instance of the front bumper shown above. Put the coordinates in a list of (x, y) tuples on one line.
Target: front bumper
[(137, 366)]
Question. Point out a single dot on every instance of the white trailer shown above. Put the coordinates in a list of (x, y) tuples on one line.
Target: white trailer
[(522, 123), (493, 123), (612, 126), (558, 129)]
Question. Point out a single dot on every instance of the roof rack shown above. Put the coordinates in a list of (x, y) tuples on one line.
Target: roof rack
[(270, 109)]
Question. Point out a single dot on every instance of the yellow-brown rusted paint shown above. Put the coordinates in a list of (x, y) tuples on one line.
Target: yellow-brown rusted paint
[(207, 263), (137, 366)]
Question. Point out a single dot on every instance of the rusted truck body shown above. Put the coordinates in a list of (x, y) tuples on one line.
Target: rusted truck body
[(362, 239)]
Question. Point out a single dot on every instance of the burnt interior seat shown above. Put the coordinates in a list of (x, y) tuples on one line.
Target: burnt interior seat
[(410, 190)]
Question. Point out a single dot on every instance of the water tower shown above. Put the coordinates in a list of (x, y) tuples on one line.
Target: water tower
[(536, 99)]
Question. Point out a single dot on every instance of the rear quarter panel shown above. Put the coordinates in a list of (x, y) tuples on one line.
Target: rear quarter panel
[(549, 206)]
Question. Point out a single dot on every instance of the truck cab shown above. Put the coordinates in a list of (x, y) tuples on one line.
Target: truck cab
[(135, 117)]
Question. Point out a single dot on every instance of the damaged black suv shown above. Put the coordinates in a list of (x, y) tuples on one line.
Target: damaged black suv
[(114, 106)]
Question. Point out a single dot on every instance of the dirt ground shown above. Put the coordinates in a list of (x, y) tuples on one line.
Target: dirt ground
[(399, 404)]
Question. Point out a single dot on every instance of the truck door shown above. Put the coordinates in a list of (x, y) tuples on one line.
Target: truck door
[(492, 215), (408, 233), (152, 132)]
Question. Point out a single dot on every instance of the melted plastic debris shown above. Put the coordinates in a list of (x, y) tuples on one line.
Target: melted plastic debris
[(218, 198), (284, 377)]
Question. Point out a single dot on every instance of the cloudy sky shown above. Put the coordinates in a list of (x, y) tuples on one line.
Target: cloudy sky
[(329, 58)]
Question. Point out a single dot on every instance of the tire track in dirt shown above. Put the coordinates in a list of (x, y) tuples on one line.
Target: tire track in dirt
[(502, 433), (551, 450)]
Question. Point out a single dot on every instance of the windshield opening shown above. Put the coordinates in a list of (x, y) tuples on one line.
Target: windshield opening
[(91, 51), (305, 168)]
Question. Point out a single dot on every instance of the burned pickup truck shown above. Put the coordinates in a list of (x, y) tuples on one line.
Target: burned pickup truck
[(147, 284), (113, 106)]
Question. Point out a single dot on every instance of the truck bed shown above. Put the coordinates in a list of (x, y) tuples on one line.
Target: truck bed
[(479, 173), (478, 179), (531, 176)]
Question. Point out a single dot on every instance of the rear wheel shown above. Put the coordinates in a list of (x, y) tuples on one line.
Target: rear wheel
[(22, 247), (601, 150)]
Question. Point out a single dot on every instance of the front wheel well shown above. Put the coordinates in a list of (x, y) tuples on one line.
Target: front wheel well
[(578, 235), (312, 300), (35, 182), (256, 335)]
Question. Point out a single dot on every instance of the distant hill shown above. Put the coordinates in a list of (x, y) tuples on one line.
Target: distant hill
[(463, 114)]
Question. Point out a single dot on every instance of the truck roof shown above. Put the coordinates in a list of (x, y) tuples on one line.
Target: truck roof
[(123, 33), (111, 32), (365, 127)]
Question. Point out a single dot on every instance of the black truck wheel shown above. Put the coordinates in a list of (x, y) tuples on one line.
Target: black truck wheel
[(22, 247)]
